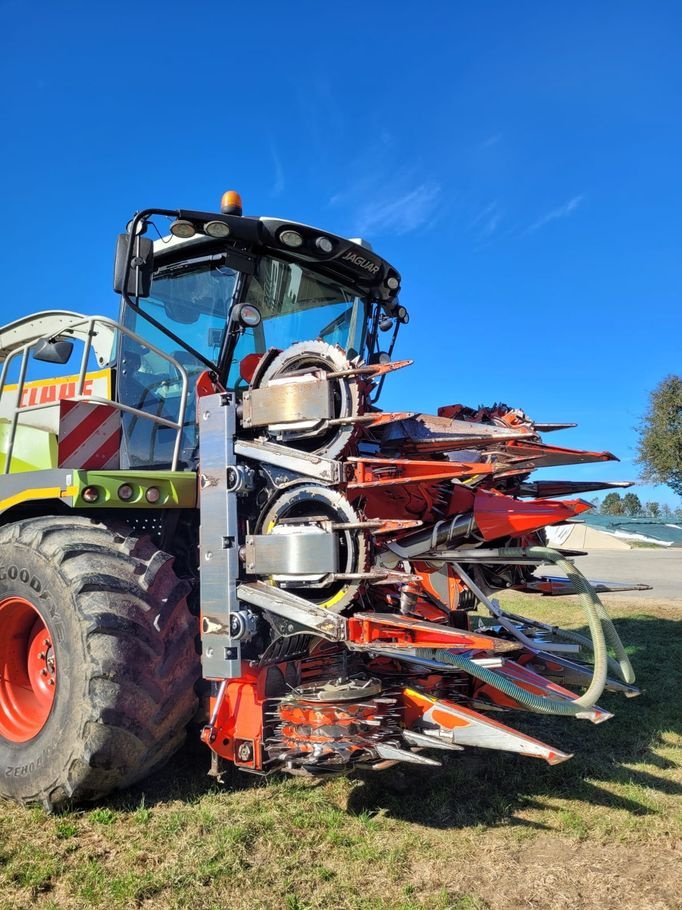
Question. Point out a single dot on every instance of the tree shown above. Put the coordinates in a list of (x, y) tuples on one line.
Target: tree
[(612, 504), (660, 435), (631, 504), (653, 509)]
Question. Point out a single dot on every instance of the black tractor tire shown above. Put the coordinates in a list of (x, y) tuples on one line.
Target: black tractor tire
[(124, 644)]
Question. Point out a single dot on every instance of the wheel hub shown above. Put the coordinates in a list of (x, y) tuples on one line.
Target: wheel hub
[(28, 670)]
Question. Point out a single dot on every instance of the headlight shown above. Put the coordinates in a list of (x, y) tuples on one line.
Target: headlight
[(183, 229), (217, 229), (291, 238), (324, 244)]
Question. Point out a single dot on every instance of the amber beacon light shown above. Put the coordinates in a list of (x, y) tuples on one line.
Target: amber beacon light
[(231, 203)]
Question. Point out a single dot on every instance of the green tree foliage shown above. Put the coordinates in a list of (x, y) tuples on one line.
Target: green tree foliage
[(653, 509), (631, 504), (660, 435), (613, 504)]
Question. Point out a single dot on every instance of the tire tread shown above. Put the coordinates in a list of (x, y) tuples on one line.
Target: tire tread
[(139, 638)]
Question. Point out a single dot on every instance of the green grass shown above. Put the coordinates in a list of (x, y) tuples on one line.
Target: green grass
[(486, 831)]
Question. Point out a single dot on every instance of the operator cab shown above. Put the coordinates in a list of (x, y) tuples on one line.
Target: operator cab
[(223, 290)]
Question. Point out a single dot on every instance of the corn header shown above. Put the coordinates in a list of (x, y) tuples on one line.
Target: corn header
[(207, 517)]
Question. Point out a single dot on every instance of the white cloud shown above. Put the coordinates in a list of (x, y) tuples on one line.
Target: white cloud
[(487, 221), (561, 211), (490, 141), (398, 212)]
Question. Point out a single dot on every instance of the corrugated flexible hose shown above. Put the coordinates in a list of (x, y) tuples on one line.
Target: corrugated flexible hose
[(601, 630)]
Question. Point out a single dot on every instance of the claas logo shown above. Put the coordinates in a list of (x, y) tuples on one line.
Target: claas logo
[(51, 391)]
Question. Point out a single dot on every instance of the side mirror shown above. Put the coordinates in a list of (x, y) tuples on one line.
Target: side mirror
[(141, 265), (247, 315), (56, 350)]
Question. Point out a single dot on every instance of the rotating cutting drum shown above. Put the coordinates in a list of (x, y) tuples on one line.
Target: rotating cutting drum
[(299, 384), (327, 524)]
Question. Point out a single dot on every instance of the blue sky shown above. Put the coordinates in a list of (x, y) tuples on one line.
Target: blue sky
[(518, 162)]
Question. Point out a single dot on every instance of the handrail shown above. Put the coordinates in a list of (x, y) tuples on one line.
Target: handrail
[(90, 322)]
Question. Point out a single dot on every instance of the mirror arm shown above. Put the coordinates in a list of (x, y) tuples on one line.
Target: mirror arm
[(396, 327)]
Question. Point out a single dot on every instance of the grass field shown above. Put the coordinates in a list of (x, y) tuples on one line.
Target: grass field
[(487, 831)]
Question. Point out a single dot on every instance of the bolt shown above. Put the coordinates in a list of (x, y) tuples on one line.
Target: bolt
[(43, 672), (47, 642), (41, 656), (52, 681)]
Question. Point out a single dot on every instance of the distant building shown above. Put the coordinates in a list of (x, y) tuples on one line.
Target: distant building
[(665, 533), (609, 532)]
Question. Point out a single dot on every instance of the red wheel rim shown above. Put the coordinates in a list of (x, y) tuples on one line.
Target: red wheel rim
[(28, 672)]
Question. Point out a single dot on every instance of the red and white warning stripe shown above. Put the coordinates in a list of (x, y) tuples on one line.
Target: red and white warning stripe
[(89, 435)]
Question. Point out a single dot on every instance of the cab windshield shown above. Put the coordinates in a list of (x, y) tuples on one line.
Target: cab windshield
[(193, 299), (297, 304)]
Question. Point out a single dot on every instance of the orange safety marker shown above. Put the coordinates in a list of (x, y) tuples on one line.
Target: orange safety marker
[(537, 685), (464, 727)]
